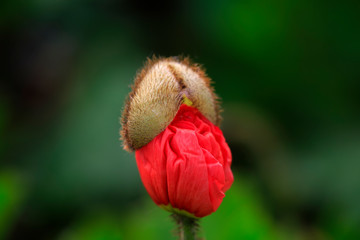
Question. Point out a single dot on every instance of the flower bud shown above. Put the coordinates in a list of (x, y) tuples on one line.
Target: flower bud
[(170, 121)]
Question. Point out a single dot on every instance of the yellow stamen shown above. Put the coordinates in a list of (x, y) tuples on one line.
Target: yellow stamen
[(187, 101)]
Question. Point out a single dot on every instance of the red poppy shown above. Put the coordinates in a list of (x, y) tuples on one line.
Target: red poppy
[(186, 168)]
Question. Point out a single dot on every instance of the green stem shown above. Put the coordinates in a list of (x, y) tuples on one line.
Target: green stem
[(187, 227)]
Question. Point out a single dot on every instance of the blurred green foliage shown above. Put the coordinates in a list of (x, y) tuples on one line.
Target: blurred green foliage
[(288, 75), (146, 221), (242, 216), (101, 226), (11, 196)]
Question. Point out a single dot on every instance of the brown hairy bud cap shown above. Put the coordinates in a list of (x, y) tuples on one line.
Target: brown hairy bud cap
[(159, 90)]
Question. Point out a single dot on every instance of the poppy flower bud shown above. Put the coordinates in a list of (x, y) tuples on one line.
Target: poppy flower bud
[(170, 121)]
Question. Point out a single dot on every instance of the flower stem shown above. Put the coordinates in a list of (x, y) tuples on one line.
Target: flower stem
[(187, 227)]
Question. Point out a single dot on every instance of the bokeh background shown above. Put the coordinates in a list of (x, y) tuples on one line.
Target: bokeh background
[(288, 74)]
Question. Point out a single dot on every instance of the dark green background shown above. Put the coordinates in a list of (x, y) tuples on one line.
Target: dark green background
[(288, 73)]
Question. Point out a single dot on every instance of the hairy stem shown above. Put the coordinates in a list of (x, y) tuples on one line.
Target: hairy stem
[(187, 227)]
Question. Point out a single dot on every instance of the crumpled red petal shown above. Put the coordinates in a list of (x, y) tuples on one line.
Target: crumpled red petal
[(187, 165)]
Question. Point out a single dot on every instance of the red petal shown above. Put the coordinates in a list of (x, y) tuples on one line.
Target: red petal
[(187, 165), (188, 184), (151, 162)]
